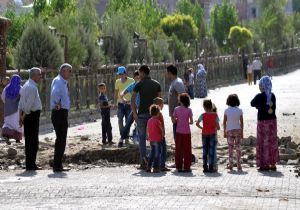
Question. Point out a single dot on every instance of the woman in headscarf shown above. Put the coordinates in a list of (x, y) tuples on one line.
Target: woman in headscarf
[(10, 97), (267, 154), (200, 83)]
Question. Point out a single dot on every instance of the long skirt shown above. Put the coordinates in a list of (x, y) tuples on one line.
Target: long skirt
[(200, 87), (11, 128), (267, 144)]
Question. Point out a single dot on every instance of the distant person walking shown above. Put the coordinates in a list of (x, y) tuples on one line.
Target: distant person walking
[(30, 107), (256, 66), (123, 103), (200, 84), (11, 97), (270, 66), (176, 88), (148, 89), (267, 154), (250, 73), (60, 105)]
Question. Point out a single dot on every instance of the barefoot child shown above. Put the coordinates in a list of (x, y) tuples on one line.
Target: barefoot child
[(209, 132), (183, 116), (155, 135), (105, 114), (163, 152), (233, 129)]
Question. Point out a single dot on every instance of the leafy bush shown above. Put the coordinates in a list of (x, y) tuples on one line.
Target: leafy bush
[(239, 36), (38, 47), (183, 26)]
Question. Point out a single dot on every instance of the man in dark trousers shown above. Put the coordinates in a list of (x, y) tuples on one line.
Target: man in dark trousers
[(60, 105), (148, 89), (30, 107)]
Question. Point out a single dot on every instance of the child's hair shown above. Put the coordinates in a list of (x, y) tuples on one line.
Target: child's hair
[(208, 105), (101, 85), (184, 98), (158, 100), (190, 70), (136, 73), (233, 100), (214, 108), (154, 110)]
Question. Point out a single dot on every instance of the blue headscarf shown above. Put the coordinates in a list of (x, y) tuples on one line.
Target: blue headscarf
[(14, 86), (201, 70), (266, 85)]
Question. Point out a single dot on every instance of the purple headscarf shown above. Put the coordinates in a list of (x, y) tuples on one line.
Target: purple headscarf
[(14, 86)]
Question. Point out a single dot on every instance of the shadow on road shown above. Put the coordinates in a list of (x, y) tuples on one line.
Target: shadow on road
[(238, 172), (217, 174), (57, 175), (145, 174), (27, 174), (277, 174), (176, 173)]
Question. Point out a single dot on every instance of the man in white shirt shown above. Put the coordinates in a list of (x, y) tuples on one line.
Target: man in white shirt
[(256, 66), (30, 107)]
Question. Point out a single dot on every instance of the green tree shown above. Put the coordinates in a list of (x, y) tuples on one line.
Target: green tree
[(296, 5), (121, 39), (275, 21), (183, 26), (223, 17), (178, 49), (195, 10), (18, 25), (239, 36), (39, 6), (38, 47)]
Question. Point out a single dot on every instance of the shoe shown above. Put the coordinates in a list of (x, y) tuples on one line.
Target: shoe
[(18, 141), (104, 143), (60, 169), (263, 168), (229, 167), (187, 170), (148, 170), (240, 168), (180, 170), (156, 170), (35, 168), (111, 143), (7, 140), (165, 169), (120, 144), (273, 168)]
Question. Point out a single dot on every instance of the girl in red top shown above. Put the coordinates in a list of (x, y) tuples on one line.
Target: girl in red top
[(155, 135), (209, 132)]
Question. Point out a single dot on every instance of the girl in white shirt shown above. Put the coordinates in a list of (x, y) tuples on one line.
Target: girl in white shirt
[(233, 129)]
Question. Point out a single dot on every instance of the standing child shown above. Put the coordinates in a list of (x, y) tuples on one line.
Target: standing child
[(233, 129), (183, 116), (155, 135), (249, 73), (215, 110), (163, 152), (209, 132), (105, 114)]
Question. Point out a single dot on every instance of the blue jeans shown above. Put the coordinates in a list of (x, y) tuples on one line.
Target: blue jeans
[(142, 131), (123, 111), (154, 156), (126, 130), (163, 153), (209, 150)]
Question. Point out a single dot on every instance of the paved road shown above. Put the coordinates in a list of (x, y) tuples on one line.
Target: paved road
[(128, 188)]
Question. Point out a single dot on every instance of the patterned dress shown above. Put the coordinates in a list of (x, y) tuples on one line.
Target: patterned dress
[(200, 84)]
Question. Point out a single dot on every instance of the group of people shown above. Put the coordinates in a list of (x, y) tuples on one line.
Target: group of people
[(139, 99), (22, 108), (254, 69), (144, 104)]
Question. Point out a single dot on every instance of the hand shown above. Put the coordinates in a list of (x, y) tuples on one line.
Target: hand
[(21, 120), (135, 116), (57, 106)]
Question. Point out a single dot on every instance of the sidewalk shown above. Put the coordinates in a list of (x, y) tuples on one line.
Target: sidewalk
[(128, 188)]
